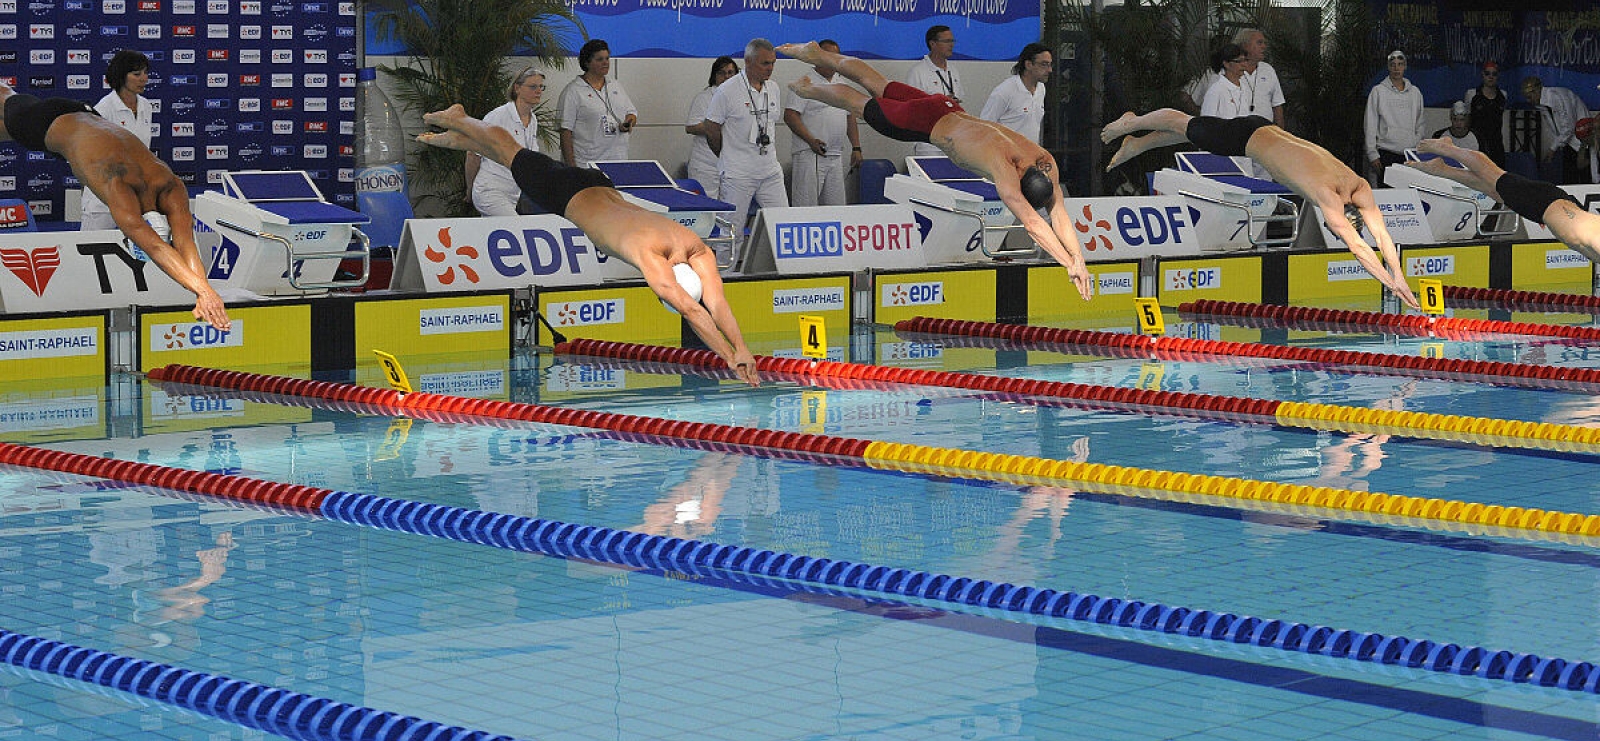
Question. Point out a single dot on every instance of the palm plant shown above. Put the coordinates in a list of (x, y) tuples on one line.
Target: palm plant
[(458, 54)]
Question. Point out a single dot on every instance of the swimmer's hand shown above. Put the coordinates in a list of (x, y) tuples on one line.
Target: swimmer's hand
[(209, 309), (1082, 279), (744, 366), (1402, 290)]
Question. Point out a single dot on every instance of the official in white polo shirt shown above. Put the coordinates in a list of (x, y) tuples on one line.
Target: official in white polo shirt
[(596, 114), (1017, 103), (743, 129), (825, 139), (933, 74), (127, 73)]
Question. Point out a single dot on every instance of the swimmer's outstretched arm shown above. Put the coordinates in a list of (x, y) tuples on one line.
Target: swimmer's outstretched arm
[(711, 318), (180, 259), (1059, 242)]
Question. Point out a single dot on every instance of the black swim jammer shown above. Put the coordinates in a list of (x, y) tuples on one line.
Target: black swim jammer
[(28, 118), (552, 184), (1225, 136), (1530, 198)]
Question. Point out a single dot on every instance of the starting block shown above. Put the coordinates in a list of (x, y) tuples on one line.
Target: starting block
[(942, 191), (1237, 210), (1455, 212), (261, 214), (647, 185)]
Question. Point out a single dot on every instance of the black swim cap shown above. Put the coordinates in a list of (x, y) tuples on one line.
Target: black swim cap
[(1037, 188)]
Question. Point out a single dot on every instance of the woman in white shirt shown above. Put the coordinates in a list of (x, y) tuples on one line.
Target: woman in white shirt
[(494, 191), (1226, 99), (596, 113), (127, 73), (702, 161)]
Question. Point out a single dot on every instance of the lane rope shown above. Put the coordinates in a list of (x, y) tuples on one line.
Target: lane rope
[(1442, 325)]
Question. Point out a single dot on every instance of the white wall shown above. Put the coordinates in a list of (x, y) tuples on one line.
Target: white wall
[(662, 89)]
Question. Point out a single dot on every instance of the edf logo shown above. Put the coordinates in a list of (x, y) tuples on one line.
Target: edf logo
[(579, 313), (818, 239), (194, 336), (1199, 279), (1436, 265), (913, 294)]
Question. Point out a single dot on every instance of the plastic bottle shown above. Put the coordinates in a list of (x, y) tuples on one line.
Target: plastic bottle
[(380, 163)]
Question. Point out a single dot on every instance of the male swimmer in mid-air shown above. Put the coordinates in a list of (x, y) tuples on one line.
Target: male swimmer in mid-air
[(117, 167), (650, 242), (1021, 170), (1295, 163), (1534, 200)]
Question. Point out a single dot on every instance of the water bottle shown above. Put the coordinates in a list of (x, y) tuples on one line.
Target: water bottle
[(380, 163)]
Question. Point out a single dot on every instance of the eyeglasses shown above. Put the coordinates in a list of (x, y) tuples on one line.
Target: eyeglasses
[(945, 41), (540, 87)]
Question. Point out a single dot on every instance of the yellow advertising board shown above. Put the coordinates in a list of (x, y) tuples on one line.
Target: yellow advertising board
[(947, 294), (53, 348), (42, 409), (264, 338), (1456, 265), (1052, 295), (173, 409), (771, 307), (1215, 278), (611, 314), (446, 326), (1550, 266), (1317, 278)]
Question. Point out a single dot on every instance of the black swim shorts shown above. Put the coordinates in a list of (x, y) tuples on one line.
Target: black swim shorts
[(1225, 136), (550, 183), (1530, 198), (28, 118)]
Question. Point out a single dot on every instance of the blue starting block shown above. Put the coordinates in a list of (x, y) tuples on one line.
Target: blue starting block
[(651, 188), (262, 212), (1237, 211), (943, 192)]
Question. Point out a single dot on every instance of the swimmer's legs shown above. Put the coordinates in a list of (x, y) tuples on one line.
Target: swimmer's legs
[(1481, 173), (1167, 127), (469, 134), (862, 73)]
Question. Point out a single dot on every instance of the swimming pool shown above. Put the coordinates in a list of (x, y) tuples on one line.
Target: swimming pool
[(543, 647)]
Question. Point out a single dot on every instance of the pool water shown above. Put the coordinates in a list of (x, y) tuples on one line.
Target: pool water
[(541, 647)]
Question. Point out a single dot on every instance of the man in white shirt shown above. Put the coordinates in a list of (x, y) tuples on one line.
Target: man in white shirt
[(933, 74), (1017, 103), (822, 135), (1260, 81), (742, 129), (1559, 111)]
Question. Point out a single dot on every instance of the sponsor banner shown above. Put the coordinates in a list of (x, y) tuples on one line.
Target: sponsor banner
[(433, 326), (874, 29), (1333, 275), (618, 314), (568, 380), (823, 239), (1403, 216), (771, 307), (79, 414), (71, 271), (476, 254), (275, 335), (57, 347), (167, 411), (1588, 197), (1233, 278), (1052, 294), (956, 294), (1467, 265), (483, 384), (1142, 226), (1550, 266)]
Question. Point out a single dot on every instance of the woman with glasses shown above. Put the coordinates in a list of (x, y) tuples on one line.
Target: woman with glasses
[(1227, 98), (1487, 105), (494, 191), (703, 161), (1017, 103)]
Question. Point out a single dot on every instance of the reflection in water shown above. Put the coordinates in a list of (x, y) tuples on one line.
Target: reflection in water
[(690, 509), (170, 622)]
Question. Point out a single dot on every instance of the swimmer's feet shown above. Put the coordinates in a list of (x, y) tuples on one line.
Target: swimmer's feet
[(1440, 146), (448, 118), (801, 87), (445, 140), (809, 52), (1130, 148), (1435, 166), (1119, 127)]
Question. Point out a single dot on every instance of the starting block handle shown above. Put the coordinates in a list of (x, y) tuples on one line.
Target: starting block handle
[(729, 240), (1250, 218), (1478, 214), (364, 253), (984, 228)]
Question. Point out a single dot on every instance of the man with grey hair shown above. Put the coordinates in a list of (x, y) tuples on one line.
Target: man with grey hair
[(741, 128), (1262, 91)]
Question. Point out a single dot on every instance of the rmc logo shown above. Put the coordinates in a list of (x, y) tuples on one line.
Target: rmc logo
[(579, 313)]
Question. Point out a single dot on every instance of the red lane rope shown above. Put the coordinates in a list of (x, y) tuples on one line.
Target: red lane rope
[(436, 406), (253, 491), (1526, 298), (1378, 319), (1182, 348), (1207, 406)]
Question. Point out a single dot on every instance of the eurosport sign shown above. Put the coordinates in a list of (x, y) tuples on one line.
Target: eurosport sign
[(473, 254), (68, 271), (825, 239), (1130, 228)]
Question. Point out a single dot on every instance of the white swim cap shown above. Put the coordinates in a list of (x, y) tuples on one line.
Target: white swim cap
[(158, 222), (689, 281)]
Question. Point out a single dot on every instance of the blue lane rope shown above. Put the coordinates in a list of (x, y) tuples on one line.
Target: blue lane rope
[(289, 714), (635, 549)]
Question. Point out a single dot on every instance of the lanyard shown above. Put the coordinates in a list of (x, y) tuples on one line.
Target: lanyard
[(949, 85)]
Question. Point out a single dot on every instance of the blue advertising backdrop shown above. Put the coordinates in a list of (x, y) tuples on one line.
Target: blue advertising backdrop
[(237, 85), (991, 30)]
